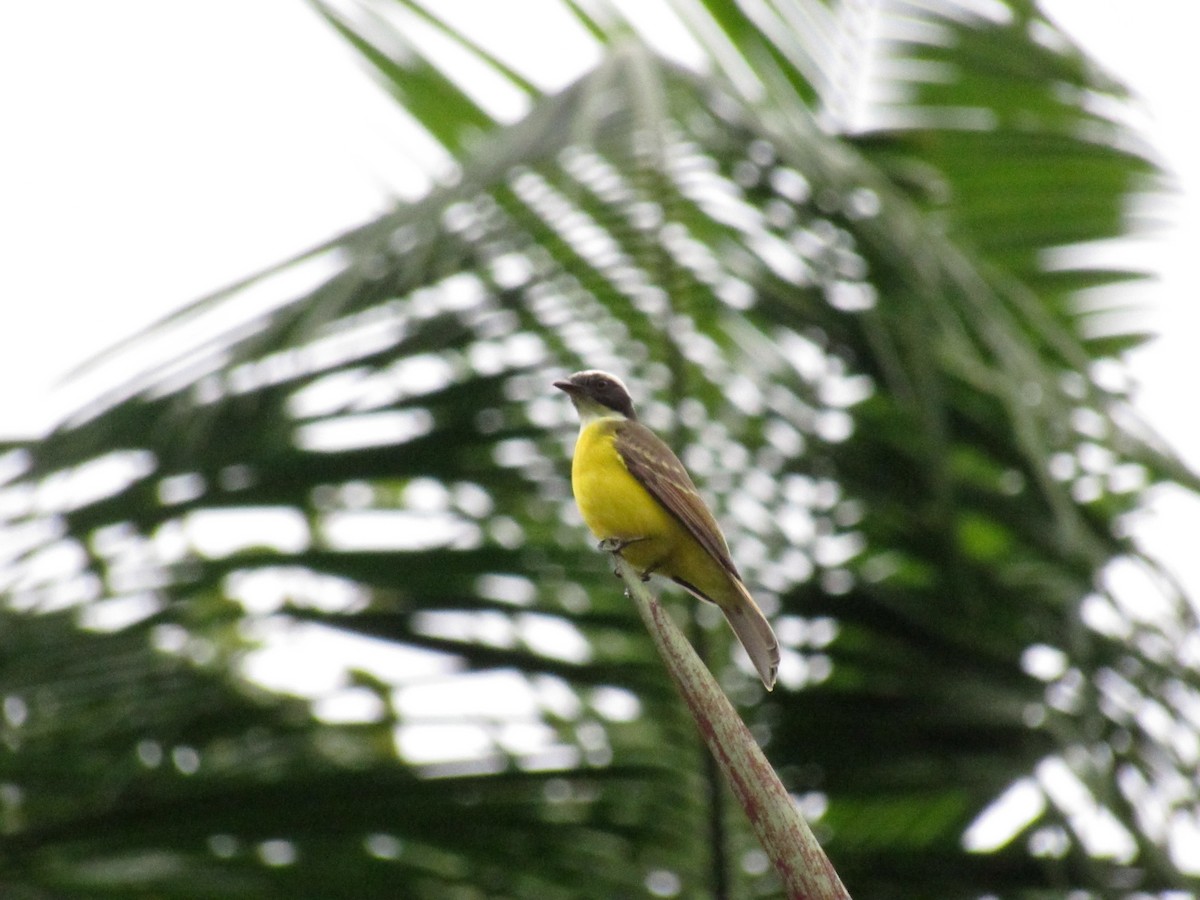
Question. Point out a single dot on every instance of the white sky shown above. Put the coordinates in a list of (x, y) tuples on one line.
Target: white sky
[(1150, 44), (153, 152)]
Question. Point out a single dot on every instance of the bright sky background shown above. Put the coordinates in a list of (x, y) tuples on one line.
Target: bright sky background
[(1150, 45)]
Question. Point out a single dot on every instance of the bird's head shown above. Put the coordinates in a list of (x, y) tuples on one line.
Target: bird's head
[(598, 395)]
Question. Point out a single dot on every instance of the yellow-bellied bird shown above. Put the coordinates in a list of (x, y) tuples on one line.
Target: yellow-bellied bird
[(635, 494)]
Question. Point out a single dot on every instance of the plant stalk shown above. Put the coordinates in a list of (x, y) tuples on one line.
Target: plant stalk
[(805, 870)]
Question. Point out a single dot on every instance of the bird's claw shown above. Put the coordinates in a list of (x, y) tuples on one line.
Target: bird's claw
[(616, 545)]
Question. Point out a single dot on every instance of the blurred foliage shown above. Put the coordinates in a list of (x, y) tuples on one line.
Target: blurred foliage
[(824, 265)]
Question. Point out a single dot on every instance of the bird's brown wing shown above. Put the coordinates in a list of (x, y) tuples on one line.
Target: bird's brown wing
[(660, 472)]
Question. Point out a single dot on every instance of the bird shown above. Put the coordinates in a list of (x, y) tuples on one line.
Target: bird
[(637, 498)]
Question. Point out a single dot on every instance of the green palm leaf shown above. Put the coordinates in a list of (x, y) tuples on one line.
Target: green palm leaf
[(852, 337)]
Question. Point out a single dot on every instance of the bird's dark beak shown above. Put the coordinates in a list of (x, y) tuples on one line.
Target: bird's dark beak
[(568, 387)]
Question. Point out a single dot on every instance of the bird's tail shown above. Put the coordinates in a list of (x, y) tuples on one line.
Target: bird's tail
[(755, 633)]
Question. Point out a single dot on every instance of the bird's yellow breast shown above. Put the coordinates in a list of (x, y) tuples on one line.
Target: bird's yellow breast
[(614, 504)]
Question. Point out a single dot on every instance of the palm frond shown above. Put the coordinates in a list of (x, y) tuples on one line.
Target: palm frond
[(857, 348)]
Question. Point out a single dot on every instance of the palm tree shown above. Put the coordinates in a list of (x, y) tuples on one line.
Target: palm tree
[(821, 262)]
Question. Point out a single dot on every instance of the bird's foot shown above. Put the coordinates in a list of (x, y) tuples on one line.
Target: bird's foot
[(616, 545)]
